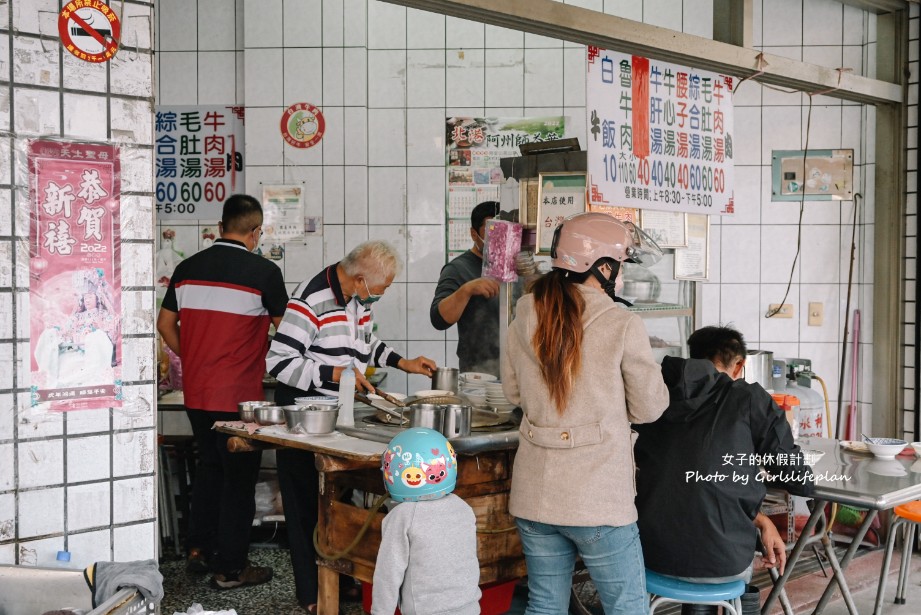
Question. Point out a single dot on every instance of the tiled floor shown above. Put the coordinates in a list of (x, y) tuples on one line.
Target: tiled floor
[(277, 596), (273, 598)]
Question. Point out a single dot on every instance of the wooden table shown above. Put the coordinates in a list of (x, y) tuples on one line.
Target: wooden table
[(345, 463)]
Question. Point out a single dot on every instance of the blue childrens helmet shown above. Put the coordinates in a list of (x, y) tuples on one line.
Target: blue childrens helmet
[(419, 464)]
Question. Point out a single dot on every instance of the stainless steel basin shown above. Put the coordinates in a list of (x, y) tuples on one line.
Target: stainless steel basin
[(476, 442)]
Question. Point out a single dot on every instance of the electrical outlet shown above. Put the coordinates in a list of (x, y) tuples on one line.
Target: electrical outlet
[(816, 314), (786, 310)]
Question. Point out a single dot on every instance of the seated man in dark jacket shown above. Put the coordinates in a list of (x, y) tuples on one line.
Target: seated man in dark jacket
[(700, 481)]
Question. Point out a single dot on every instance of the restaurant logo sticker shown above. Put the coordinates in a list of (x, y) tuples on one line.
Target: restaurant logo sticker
[(302, 125), (90, 30)]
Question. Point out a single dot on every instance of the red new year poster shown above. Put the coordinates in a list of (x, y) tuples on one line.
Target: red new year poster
[(75, 271)]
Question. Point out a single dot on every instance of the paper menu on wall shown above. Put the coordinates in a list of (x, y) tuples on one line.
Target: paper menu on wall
[(459, 235), (461, 201)]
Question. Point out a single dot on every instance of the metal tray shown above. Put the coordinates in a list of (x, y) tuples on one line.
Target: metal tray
[(476, 442)]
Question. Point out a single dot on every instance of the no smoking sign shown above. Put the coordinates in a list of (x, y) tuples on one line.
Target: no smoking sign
[(90, 30)]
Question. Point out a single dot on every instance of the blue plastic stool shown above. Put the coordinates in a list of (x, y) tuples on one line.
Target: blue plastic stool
[(663, 589)]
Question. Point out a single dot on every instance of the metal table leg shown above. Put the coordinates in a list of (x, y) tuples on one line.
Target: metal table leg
[(784, 601), (805, 538), (839, 569)]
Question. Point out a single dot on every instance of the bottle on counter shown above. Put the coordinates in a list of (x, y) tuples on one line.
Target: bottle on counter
[(346, 397)]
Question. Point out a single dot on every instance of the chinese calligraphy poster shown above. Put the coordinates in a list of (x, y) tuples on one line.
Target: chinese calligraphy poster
[(75, 267), (199, 160), (474, 147), (660, 135)]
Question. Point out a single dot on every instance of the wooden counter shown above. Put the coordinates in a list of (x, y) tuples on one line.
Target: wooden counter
[(347, 463)]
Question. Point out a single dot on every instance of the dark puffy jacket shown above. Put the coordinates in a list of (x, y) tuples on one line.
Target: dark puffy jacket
[(698, 484)]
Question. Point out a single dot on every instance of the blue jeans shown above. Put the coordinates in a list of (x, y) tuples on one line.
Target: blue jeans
[(612, 555)]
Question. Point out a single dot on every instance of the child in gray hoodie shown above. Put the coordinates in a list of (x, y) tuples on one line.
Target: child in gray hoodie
[(427, 562)]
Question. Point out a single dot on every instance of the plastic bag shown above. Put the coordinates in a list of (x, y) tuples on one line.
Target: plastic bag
[(265, 498), (197, 609), (500, 254)]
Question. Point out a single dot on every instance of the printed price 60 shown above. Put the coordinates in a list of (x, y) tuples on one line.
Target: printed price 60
[(191, 191)]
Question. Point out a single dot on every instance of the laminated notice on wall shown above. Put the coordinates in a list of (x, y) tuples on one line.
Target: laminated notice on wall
[(75, 270), (282, 218)]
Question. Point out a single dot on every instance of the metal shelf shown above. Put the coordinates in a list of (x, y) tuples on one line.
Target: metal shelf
[(661, 310)]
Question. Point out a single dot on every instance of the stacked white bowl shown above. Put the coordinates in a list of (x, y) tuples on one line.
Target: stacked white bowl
[(496, 399), (472, 386)]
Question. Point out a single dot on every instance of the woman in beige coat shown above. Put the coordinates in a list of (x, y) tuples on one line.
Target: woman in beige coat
[(581, 368)]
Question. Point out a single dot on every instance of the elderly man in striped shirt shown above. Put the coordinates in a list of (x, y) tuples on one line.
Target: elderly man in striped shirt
[(327, 327)]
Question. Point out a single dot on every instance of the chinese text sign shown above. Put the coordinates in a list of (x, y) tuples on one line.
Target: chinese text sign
[(199, 160), (660, 135), (75, 270)]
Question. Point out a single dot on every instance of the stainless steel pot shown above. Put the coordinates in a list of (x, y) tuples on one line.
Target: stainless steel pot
[(759, 368), (426, 415), (445, 379), (270, 415), (313, 419), (247, 410), (457, 421)]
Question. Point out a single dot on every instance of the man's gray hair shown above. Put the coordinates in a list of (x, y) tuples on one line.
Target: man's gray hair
[(376, 260)]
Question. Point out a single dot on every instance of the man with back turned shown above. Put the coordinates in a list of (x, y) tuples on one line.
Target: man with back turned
[(225, 297)]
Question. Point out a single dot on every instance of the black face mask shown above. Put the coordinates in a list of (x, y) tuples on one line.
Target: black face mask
[(609, 285)]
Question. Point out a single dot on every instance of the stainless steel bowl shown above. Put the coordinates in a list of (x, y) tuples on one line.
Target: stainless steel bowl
[(270, 415), (312, 419), (248, 410)]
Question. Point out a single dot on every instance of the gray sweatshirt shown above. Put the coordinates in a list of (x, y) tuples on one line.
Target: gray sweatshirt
[(427, 561)]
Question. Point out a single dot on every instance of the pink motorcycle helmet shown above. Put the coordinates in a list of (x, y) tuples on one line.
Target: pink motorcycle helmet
[(582, 239)]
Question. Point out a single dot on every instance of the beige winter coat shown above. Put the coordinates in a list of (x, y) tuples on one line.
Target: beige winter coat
[(576, 468)]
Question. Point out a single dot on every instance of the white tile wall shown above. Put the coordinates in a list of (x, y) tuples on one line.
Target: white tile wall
[(782, 22), (663, 13), (741, 246), (177, 28), (35, 453), (425, 195), (465, 77), (87, 459), (628, 9), (133, 452), (133, 499), (7, 458), (7, 517), (387, 202), (387, 77), (88, 506), (386, 137), (130, 542), (89, 547), (504, 77), (41, 512), (828, 16), (88, 421), (41, 463)]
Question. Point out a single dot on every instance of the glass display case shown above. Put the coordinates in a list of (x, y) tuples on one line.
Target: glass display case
[(666, 305)]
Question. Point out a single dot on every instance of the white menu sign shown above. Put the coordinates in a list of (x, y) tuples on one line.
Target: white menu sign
[(660, 135)]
